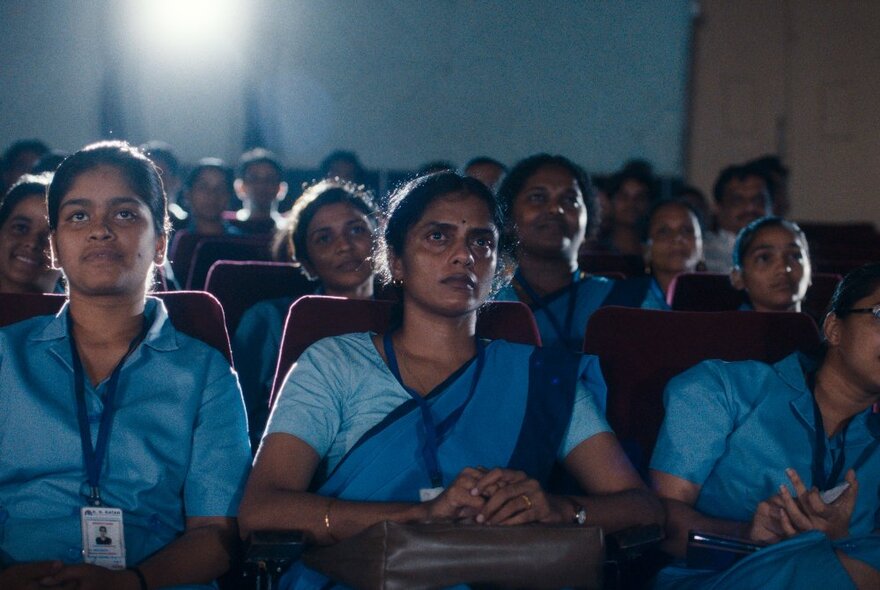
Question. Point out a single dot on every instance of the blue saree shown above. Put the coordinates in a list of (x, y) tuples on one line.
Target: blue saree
[(528, 409)]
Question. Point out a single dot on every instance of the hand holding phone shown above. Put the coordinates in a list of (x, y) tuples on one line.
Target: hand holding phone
[(829, 496)]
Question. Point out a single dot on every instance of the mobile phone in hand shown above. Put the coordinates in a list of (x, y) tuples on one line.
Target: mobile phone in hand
[(829, 496)]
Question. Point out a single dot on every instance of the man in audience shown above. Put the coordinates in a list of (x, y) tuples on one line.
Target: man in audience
[(163, 156), (18, 159), (777, 181), (260, 186), (486, 170), (741, 196), (344, 166)]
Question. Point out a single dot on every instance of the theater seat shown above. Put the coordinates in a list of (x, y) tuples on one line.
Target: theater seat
[(210, 250), (314, 317), (240, 284), (640, 350), (704, 291), (194, 313), (601, 263)]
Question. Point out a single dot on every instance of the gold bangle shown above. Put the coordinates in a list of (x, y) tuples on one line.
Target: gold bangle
[(327, 520)]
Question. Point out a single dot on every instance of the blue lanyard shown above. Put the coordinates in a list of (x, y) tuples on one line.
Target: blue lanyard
[(539, 302), (822, 480), (433, 433), (93, 457)]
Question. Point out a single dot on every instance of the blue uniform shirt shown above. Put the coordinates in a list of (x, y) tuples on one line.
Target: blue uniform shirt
[(178, 446), (589, 293), (734, 428)]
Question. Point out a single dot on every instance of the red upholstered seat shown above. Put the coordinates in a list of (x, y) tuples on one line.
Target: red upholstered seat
[(210, 250), (608, 262), (640, 350), (314, 317), (194, 313), (240, 284), (703, 291)]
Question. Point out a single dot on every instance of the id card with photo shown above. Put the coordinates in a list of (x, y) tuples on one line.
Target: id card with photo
[(103, 537)]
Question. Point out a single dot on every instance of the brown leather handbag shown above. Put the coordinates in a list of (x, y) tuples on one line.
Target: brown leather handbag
[(393, 556)]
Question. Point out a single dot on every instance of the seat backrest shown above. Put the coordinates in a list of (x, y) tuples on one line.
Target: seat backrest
[(210, 250), (704, 291), (640, 350), (608, 262), (314, 317), (240, 284), (194, 313), (180, 253)]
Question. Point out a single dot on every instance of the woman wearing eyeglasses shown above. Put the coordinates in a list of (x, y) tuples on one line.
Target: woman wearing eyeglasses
[(747, 450)]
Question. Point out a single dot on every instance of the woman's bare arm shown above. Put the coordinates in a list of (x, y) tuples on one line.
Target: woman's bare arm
[(679, 496), (275, 498)]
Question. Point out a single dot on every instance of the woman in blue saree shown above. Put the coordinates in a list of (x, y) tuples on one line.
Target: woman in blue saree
[(426, 423), (550, 207), (746, 449)]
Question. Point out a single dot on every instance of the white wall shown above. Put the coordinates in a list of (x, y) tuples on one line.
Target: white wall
[(400, 82), (798, 78)]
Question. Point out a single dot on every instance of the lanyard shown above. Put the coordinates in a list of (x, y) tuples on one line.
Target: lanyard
[(538, 302), (93, 457), (822, 480), (433, 432)]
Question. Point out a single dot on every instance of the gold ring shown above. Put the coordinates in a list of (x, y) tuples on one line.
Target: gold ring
[(528, 502)]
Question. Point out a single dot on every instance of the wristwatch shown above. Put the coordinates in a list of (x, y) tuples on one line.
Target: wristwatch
[(580, 515)]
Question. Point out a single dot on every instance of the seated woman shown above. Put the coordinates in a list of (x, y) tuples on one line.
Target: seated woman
[(746, 449), (111, 416), (208, 190), (24, 238), (771, 265), (630, 194), (673, 244), (354, 408), (550, 205), (330, 235)]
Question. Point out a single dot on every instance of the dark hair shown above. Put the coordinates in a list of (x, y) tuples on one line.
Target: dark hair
[(524, 169), (210, 164), (342, 156), (29, 185), (314, 197), (660, 205), (746, 236), (259, 156), (638, 171), (19, 147), (737, 172), (137, 169), (408, 203), (435, 166), (856, 285), (159, 150), (484, 160), (49, 162)]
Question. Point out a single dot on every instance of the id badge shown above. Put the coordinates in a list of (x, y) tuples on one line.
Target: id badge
[(103, 538), (428, 494)]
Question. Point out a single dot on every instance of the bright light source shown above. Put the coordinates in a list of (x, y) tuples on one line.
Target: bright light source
[(188, 25)]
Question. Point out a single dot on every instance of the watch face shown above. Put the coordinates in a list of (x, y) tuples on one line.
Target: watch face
[(580, 517)]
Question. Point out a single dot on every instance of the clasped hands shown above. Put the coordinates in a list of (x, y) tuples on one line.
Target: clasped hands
[(783, 516), (495, 496)]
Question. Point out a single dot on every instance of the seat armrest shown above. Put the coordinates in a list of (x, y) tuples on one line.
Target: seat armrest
[(268, 553)]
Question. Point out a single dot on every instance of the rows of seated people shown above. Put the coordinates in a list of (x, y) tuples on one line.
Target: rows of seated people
[(151, 441)]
